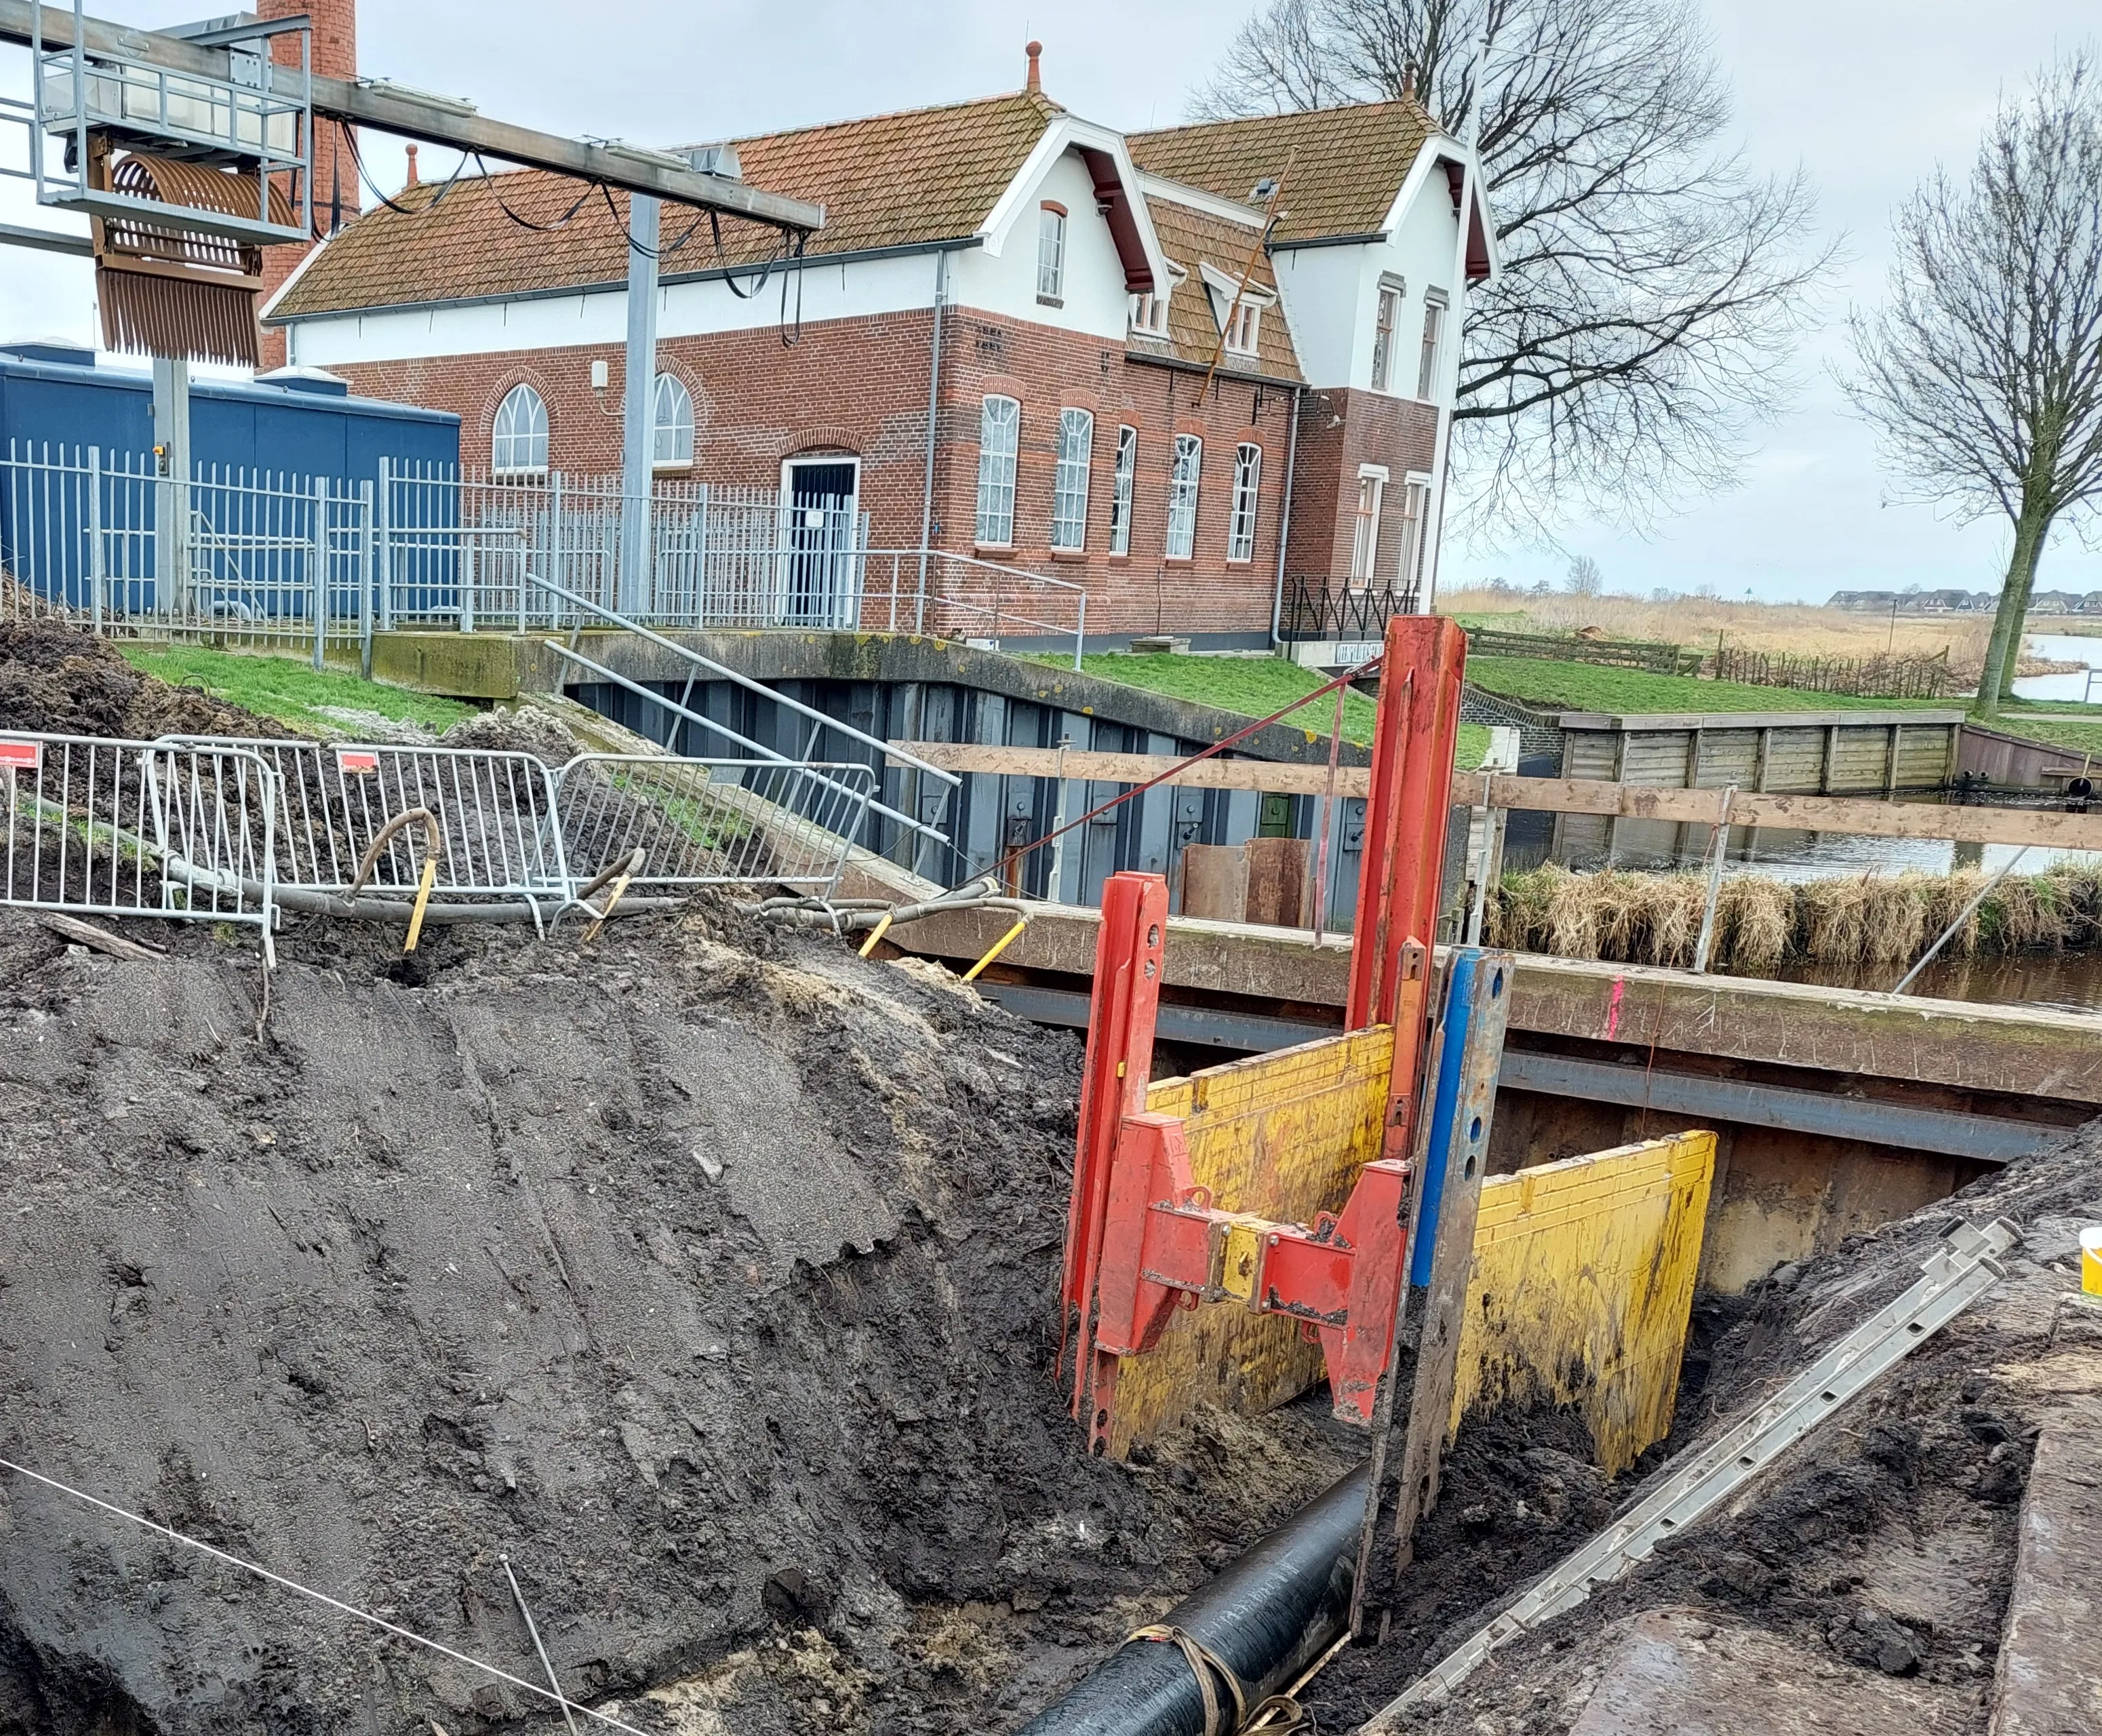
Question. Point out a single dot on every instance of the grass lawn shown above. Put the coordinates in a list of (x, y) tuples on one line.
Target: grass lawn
[(289, 689), (2063, 727), (1256, 687), (1583, 686)]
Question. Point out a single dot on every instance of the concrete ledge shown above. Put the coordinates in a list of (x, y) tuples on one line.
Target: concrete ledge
[(2051, 1654)]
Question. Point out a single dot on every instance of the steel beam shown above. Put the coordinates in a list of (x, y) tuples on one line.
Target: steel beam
[(46, 241), (411, 114), (1950, 1132)]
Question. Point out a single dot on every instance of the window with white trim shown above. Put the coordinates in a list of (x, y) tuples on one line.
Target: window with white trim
[(1415, 508), (1434, 336), (1000, 429), (1247, 484), (518, 444), (1069, 484), (1149, 314), (673, 407), (1182, 497), (1364, 536), (1243, 319), (1386, 325), (1120, 481), (1050, 252)]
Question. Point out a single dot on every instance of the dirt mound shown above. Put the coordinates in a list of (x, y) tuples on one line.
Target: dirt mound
[(58, 679), (1885, 1541), (524, 729), (706, 1273)]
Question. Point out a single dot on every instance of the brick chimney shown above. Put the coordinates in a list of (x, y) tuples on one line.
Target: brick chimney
[(1035, 53), (336, 186)]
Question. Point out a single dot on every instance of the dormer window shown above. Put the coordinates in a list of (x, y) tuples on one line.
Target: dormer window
[(1242, 320), (1238, 307), (1149, 315)]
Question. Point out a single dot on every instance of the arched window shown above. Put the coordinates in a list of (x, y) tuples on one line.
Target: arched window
[(519, 445), (674, 423)]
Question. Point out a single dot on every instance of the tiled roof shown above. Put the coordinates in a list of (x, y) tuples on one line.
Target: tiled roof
[(892, 180), (1347, 164), (1193, 238)]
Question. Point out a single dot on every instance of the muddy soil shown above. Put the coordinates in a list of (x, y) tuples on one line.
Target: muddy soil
[(57, 679), (705, 1272), (1885, 1541)]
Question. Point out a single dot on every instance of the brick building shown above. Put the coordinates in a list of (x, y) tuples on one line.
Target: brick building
[(1021, 337)]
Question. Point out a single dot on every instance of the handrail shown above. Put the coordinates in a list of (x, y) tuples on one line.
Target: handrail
[(770, 754), (614, 618)]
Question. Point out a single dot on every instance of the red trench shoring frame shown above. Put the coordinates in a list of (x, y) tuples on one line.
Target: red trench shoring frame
[(1140, 1239)]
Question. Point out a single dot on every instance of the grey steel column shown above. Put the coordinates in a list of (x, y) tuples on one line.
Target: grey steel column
[(638, 427), (171, 452)]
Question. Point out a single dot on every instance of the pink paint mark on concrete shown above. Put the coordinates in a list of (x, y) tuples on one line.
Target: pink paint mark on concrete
[(1613, 1007)]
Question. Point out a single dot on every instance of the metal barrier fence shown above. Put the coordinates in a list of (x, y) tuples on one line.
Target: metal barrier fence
[(346, 809), (248, 557), (293, 563), (110, 827), (712, 822)]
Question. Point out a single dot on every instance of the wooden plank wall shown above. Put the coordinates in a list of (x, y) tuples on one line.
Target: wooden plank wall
[(1582, 1285)]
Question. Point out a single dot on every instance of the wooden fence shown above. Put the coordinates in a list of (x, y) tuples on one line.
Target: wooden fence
[(1653, 656), (1866, 678)]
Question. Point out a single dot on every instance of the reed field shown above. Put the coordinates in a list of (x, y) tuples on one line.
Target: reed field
[(1804, 629), (1761, 924)]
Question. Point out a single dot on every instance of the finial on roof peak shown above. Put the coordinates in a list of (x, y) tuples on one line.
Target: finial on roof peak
[(1035, 53), (1408, 82)]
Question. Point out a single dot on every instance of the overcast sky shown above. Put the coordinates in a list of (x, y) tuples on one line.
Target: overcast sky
[(1867, 94)]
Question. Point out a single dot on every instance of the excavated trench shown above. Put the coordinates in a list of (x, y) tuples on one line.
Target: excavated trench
[(706, 1273)]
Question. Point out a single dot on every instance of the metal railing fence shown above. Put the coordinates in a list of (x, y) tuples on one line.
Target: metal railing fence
[(97, 827), (712, 822)]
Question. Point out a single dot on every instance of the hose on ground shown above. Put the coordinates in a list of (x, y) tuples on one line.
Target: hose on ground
[(854, 915)]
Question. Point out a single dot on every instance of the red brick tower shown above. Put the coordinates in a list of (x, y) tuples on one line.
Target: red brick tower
[(335, 170)]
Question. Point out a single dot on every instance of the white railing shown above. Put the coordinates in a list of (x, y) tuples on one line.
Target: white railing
[(271, 559)]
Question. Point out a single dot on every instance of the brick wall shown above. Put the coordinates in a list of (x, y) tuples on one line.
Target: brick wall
[(334, 51), (860, 386), (1338, 431)]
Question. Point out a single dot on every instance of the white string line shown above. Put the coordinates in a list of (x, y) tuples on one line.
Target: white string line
[(321, 1597)]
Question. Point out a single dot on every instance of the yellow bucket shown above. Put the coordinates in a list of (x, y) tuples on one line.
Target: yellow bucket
[(2091, 1261)]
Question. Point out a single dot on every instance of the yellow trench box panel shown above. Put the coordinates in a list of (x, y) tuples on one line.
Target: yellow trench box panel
[(1582, 1284), (1284, 1134)]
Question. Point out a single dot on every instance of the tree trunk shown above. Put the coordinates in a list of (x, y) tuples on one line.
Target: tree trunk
[(2004, 651)]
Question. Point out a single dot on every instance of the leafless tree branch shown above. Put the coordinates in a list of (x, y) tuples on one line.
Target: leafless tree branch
[(1653, 288), (1983, 369)]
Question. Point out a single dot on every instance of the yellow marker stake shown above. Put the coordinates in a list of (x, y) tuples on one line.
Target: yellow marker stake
[(423, 899), (877, 933), (999, 946), (2091, 1261)]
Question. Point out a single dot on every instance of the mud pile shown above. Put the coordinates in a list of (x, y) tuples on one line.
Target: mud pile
[(705, 1272), (1884, 1545), (57, 679)]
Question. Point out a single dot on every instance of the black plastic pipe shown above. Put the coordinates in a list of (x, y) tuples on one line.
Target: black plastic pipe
[(1268, 1616)]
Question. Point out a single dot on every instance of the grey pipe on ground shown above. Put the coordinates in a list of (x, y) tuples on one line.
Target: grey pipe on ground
[(1268, 1617)]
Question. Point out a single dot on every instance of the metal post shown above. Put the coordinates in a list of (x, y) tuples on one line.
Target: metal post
[(1963, 917), (364, 581), (1722, 849), (467, 577), (1056, 893), (638, 435), (317, 570), (384, 551), (1080, 631), (171, 453), (94, 549), (557, 569)]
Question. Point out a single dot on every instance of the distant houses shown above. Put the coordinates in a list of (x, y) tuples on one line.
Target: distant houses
[(1960, 602)]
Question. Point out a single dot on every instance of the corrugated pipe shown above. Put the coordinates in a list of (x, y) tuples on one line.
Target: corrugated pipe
[(1268, 1618)]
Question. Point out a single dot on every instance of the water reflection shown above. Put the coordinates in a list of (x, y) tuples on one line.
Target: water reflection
[(2062, 648), (2069, 983)]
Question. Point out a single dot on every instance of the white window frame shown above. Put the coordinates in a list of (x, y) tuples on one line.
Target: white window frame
[(1248, 490), (1243, 329), (1415, 532), (677, 431), (1069, 481), (1186, 477), (1051, 254), (505, 438), (1149, 313), (1121, 479), (1364, 536), (999, 440), (1386, 331), (1429, 364)]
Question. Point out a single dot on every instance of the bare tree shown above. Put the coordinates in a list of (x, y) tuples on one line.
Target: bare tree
[(1651, 285), (1585, 578), (1983, 371)]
